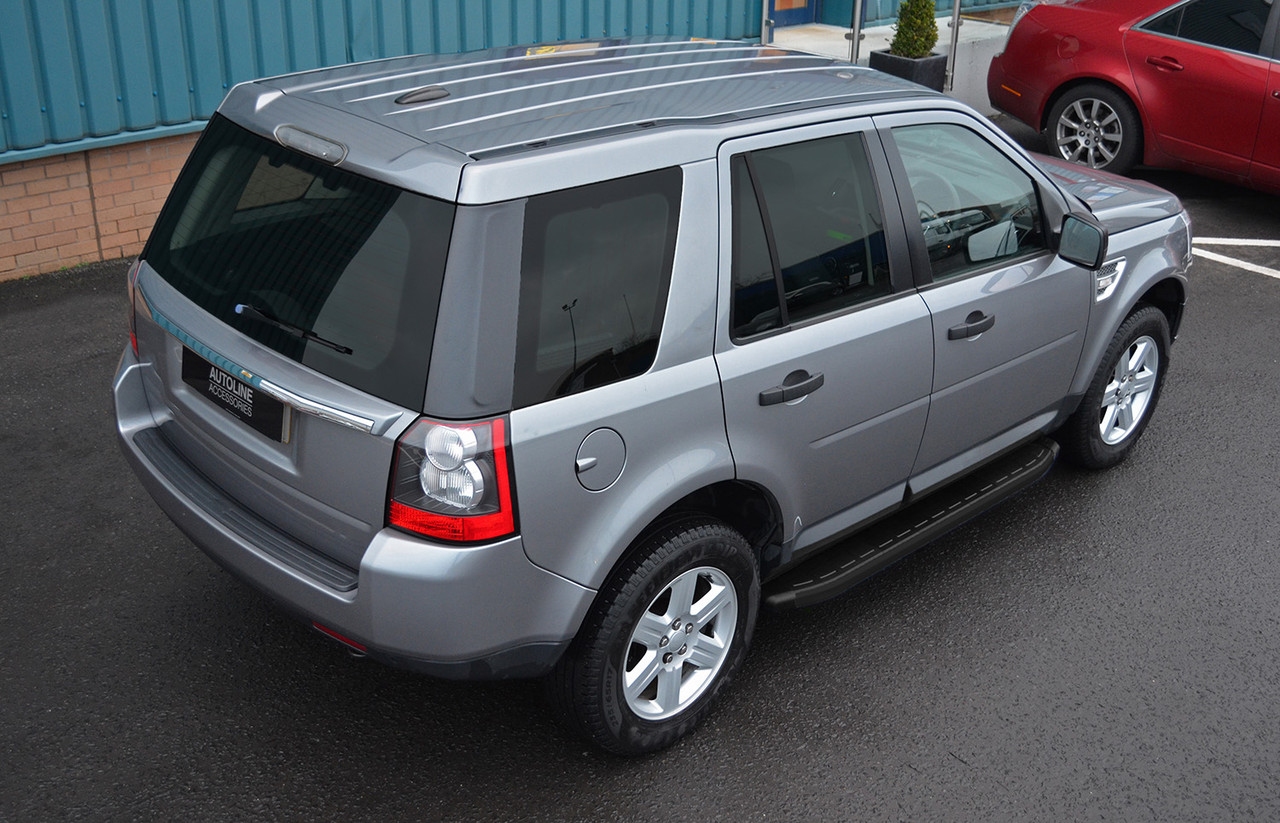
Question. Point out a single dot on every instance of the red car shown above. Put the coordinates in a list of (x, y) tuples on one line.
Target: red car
[(1111, 83)]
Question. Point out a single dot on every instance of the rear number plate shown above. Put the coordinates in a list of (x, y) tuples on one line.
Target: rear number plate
[(261, 412)]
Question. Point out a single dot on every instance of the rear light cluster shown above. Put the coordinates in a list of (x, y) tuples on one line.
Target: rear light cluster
[(453, 481), (133, 308)]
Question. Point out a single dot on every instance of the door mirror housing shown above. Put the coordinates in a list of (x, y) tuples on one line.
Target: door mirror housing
[(1083, 241)]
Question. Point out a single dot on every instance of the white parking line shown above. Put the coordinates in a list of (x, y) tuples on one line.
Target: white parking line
[(1239, 264), (1231, 261), (1236, 241)]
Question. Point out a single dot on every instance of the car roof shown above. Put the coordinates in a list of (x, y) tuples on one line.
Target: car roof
[(526, 97), (527, 119)]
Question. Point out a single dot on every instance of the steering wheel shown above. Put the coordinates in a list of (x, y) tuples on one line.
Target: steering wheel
[(934, 194)]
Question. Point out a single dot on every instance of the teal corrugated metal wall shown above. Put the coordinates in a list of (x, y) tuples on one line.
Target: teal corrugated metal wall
[(79, 73), (884, 12)]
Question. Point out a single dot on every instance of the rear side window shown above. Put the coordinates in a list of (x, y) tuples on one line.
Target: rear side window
[(595, 271), (808, 233), (1230, 24), (286, 238)]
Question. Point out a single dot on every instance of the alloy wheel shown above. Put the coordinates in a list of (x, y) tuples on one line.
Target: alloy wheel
[(1089, 132), (680, 643), (1129, 393)]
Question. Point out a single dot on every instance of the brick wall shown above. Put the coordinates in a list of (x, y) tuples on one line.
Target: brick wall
[(77, 208)]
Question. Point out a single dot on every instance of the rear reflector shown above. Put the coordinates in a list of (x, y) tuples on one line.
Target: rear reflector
[(346, 641)]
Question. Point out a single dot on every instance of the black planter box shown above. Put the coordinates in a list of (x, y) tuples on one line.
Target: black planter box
[(928, 71)]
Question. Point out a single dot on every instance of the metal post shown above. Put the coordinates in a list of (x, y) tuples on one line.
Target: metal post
[(855, 31), (955, 39), (766, 25)]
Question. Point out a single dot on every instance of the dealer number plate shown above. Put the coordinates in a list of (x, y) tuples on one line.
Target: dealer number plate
[(258, 410)]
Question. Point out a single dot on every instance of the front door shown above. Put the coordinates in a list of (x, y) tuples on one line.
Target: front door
[(1009, 316), (824, 346)]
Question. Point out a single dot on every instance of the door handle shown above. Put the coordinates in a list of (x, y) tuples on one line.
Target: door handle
[(975, 324), (796, 385), (1166, 63)]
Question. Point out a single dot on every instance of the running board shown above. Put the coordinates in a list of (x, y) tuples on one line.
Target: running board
[(844, 565)]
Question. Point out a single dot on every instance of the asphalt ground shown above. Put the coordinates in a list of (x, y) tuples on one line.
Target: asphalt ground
[(1105, 646)]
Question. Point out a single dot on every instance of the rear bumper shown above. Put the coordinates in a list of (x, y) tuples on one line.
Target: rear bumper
[(477, 612)]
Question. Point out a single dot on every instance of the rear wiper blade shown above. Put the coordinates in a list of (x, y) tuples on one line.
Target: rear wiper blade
[(266, 316)]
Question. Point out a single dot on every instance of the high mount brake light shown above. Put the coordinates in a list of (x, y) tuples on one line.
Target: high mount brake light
[(453, 481)]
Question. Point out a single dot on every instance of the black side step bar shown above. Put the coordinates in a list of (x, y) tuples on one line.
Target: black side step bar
[(844, 565)]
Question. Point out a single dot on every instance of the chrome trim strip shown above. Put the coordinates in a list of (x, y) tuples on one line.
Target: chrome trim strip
[(303, 404), (316, 408)]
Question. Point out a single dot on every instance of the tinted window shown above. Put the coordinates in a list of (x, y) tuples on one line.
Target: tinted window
[(823, 232), (593, 283), (756, 298), (1166, 23), (976, 207), (356, 261), (1228, 24)]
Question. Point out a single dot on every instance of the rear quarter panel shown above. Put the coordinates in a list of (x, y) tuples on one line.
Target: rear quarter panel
[(671, 420), (1055, 47)]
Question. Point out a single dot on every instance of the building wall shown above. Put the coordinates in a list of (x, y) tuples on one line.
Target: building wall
[(103, 71), (100, 101), (884, 12), (86, 206)]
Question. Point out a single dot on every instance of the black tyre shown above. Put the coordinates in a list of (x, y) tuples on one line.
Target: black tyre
[(1123, 395), (1096, 126), (664, 637)]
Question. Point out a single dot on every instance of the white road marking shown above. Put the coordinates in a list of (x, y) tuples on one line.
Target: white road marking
[(1239, 264), (1235, 241)]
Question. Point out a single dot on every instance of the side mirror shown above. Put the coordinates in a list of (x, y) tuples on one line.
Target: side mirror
[(1083, 241)]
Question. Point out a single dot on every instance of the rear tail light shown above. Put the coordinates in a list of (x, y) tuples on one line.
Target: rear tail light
[(133, 311), (453, 481)]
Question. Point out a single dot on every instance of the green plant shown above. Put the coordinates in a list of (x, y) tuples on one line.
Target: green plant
[(916, 32)]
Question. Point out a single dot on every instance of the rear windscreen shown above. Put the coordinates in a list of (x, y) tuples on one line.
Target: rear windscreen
[(336, 271)]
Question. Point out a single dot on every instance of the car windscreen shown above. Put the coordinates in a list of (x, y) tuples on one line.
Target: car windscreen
[(334, 270)]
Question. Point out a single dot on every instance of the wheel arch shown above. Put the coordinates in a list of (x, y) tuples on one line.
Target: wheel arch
[(1169, 296), (1166, 294), (745, 507)]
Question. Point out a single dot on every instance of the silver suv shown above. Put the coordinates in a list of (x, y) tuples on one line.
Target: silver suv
[(560, 361)]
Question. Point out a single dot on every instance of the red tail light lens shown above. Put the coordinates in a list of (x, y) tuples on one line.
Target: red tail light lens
[(133, 311), (453, 481)]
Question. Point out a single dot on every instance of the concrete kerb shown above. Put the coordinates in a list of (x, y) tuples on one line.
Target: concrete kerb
[(979, 41)]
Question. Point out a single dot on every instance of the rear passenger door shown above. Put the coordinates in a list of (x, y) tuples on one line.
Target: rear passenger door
[(1203, 81), (1009, 315), (823, 346)]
